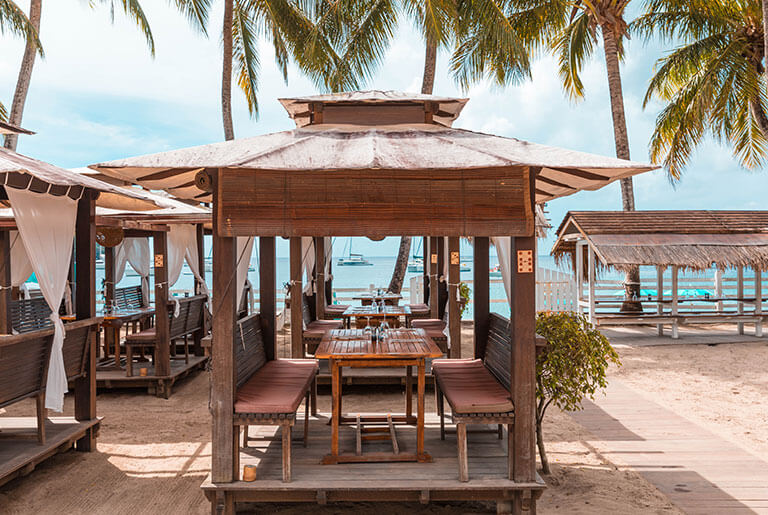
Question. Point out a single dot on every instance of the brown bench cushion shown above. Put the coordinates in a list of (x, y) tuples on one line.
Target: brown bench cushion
[(336, 309), (470, 387), (277, 387), (419, 309), (147, 336), (318, 328)]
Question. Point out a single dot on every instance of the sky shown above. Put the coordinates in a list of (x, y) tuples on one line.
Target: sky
[(98, 95)]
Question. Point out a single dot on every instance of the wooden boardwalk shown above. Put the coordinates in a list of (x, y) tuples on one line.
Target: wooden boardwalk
[(106, 379), (697, 470)]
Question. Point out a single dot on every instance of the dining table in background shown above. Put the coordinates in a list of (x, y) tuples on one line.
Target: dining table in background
[(377, 314)]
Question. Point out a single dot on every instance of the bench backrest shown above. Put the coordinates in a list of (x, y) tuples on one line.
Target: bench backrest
[(76, 344), (129, 297), (498, 351), (32, 314), (249, 348), (190, 317), (23, 365)]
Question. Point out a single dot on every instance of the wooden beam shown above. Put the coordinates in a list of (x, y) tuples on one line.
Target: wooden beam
[(222, 356), (320, 278), (297, 329), (660, 297), (480, 295), (674, 300), (267, 302), (454, 316), (109, 275), (758, 302), (740, 295), (162, 324), (85, 307), (591, 282), (5, 282), (425, 268), (523, 356), (442, 291), (434, 296)]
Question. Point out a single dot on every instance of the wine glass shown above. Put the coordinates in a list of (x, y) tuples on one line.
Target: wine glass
[(384, 329), (368, 329)]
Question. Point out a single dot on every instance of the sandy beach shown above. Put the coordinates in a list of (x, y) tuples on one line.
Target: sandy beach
[(154, 453)]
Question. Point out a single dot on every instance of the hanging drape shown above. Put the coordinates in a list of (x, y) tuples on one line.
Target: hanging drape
[(47, 227), (244, 253), (504, 253), (308, 263), (134, 251), (21, 267)]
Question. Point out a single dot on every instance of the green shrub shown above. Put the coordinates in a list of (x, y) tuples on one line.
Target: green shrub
[(571, 368)]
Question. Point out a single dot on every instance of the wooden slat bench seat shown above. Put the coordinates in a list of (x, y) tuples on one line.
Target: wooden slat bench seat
[(24, 362), (189, 320), (334, 311), (269, 392), (478, 391), (314, 330)]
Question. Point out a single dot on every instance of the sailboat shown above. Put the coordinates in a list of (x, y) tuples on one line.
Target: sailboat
[(353, 259), (416, 264)]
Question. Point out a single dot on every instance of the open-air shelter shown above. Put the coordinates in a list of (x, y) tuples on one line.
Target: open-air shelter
[(676, 241), (375, 164), (53, 220)]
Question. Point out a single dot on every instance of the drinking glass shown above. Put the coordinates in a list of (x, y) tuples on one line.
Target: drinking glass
[(368, 329), (384, 329)]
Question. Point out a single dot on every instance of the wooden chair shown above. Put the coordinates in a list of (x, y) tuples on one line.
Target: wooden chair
[(270, 391), (32, 314), (478, 391), (129, 297), (314, 330), (434, 328), (181, 327)]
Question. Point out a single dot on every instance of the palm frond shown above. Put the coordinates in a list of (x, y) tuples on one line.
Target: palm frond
[(13, 20), (573, 48), (197, 12), (133, 9), (245, 54)]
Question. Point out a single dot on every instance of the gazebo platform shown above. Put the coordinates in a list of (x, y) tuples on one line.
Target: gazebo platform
[(416, 482), (115, 378), (19, 457)]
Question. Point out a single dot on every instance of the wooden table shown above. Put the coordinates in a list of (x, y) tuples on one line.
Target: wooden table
[(112, 324), (377, 314), (366, 299), (353, 348)]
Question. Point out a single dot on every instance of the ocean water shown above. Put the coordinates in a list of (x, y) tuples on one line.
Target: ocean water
[(378, 274)]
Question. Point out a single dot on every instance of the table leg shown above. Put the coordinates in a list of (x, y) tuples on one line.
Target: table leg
[(335, 397), (408, 391), (420, 408), (108, 336)]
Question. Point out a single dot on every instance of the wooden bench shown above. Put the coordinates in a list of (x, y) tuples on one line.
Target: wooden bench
[(268, 392), (32, 314), (478, 391), (24, 362), (434, 327), (189, 321), (314, 330), (128, 298)]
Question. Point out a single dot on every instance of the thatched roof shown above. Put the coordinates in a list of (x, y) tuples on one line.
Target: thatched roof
[(688, 239), (400, 146)]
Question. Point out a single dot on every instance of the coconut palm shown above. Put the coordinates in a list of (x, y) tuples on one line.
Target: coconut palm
[(132, 8), (712, 83), (13, 20)]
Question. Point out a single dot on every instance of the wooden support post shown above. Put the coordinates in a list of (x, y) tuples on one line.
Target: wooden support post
[(740, 295), (5, 282), (425, 268), (442, 286), (579, 271), (200, 241), (675, 301), (162, 324), (454, 317), (480, 295), (297, 321), (591, 280), (329, 277), (267, 294), (225, 288), (719, 289), (320, 278), (522, 459), (85, 307), (758, 303), (109, 275), (434, 295), (660, 296)]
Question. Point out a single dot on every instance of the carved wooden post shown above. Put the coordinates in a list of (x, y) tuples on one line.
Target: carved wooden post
[(267, 303), (297, 329), (162, 324), (480, 295), (454, 316)]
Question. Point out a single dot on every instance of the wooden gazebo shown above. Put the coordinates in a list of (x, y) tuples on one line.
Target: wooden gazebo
[(25, 357), (374, 164)]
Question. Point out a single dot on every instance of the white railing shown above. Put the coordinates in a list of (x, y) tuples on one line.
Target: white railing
[(555, 291)]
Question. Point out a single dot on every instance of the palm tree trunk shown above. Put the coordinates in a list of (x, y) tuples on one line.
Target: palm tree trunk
[(765, 33), (632, 278), (403, 253), (226, 73), (25, 75)]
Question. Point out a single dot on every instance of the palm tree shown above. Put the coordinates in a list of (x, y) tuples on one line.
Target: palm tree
[(713, 82), (131, 7), (15, 21)]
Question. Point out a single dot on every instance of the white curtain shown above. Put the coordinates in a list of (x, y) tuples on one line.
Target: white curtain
[(243, 257), (47, 227), (21, 268), (134, 251), (504, 252), (308, 263)]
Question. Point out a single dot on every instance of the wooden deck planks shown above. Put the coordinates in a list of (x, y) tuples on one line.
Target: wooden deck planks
[(699, 471), (20, 457), (404, 481), (118, 379)]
